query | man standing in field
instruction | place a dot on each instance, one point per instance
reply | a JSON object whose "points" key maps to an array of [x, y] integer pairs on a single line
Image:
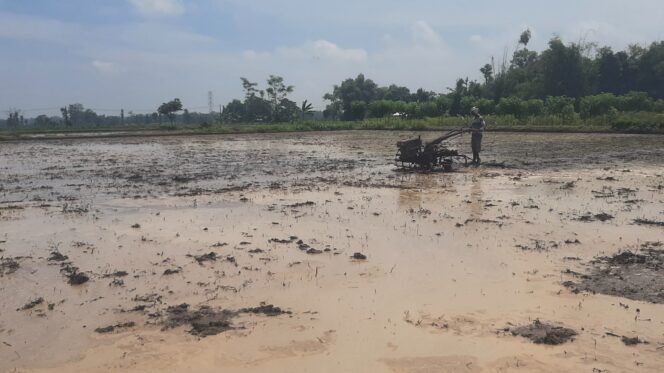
{"points": [[476, 128]]}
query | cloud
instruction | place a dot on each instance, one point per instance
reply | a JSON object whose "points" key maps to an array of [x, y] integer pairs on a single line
{"points": [[329, 50], [476, 38], [105, 67], [418, 44], [15, 26], [324, 51], [424, 34], [152, 8]]}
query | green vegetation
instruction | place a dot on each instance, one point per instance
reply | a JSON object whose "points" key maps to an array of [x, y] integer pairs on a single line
{"points": [[567, 87], [169, 109], [636, 122]]}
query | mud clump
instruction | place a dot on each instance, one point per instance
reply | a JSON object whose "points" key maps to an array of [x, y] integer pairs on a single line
{"points": [[631, 341], [112, 328], [8, 266], [539, 246], [290, 239], [32, 304], [56, 256], [117, 274], [301, 204], [632, 275], [74, 277], [649, 222], [207, 321], [543, 333], [596, 217], [204, 322], [265, 309], [625, 258], [78, 278], [359, 256], [209, 257]]}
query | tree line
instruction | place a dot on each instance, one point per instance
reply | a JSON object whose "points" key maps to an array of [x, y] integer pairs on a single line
{"points": [[561, 80], [567, 80]]}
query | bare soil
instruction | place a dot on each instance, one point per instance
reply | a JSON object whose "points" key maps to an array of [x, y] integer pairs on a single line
{"points": [[637, 275], [311, 252], [544, 333]]}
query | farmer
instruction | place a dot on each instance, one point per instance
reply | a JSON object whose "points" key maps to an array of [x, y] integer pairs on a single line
{"points": [[476, 129]]}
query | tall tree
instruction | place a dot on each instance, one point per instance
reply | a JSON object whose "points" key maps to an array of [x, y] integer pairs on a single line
{"points": [[65, 116], [14, 118], [487, 72], [306, 109], [249, 88], [351, 90], [562, 70], [524, 39], [458, 93], [276, 94], [169, 109], [609, 72], [651, 70]]}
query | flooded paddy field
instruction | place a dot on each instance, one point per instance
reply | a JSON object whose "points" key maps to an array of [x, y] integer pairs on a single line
{"points": [[313, 253]]}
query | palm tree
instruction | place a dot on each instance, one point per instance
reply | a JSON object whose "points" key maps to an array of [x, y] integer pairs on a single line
{"points": [[307, 108]]}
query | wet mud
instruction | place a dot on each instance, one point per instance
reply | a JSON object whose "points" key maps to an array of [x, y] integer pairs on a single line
{"points": [[637, 274], [172, 254], [544, 333]]}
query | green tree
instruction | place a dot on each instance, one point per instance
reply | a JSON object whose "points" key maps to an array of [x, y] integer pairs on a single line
{"points": [[394, 93], [351, 90], [249, 88], [43, 121], [233, 112], [65, 116], [306, 109], [557, 105], [14, 118], [634, 101], [358, 110], [381, 108], [276, 94], [169, 109], [422, 95], [562, 70], [609, 71], [487, 72], [511, 106], [651, 70], [457, 94]]}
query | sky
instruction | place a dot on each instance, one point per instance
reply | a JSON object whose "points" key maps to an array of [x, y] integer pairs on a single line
{"points": [[135, 54]]}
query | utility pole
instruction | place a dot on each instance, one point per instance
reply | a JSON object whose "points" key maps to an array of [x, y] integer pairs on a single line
{"points": [[210, 107], [122, 117]]}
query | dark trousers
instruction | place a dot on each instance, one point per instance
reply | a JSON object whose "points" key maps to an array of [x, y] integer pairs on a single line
{"points": [[476, 145]]}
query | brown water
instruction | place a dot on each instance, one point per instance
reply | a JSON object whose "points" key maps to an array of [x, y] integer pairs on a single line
{"points": [[452, 259]]}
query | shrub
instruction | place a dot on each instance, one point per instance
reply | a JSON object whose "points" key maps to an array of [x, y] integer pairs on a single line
{"points": [[358, 110], [592, 106], [556, 105], [486, 106], [511, 106], [635, 101], [658, 106], [533, 107]]}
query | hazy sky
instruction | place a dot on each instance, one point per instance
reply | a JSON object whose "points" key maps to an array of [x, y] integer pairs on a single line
{"points": [[135, 54]]}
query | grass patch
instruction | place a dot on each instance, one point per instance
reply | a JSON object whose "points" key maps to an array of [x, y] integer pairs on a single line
{"points": [[639, 122]]}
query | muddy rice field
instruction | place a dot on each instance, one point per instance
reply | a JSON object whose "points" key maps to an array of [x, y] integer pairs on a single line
{"points": [[313, 253]]}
